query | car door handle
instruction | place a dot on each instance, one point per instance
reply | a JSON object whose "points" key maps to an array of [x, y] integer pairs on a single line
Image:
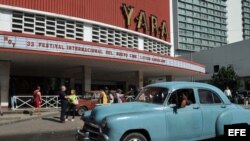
{"points": [[196, 107], [223, 106]]}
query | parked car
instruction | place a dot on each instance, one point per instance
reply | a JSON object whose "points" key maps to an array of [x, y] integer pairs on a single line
{"points": [[87, 101], [90, 99], [165, 111]]}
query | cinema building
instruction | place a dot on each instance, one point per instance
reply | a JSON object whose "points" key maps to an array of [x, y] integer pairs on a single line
{"points": [[86, 45]]}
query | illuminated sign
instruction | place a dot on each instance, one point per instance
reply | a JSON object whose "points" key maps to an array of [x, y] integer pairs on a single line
{"points": [[141, 22], [89, 50]]}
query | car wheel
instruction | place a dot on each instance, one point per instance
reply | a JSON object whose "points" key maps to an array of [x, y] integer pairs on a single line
{"points": [[134, 137], [81, 110]]}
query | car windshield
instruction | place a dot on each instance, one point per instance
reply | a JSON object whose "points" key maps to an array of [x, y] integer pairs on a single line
{"points": [[154, 95]]}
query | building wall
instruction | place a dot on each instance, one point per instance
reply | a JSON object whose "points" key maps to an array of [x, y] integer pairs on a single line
{"points": [[236, 55], [201, 25], [78, 21], [175, 24], [234, 14], [105, 11], [246, 18]]}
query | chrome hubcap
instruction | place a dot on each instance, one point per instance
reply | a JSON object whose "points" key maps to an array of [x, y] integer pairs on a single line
{"points": [[134, 139]]}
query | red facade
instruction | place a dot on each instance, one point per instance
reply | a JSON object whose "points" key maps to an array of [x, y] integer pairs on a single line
{"points": [[105, 11]]}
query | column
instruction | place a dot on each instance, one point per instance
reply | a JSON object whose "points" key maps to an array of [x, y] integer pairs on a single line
{"points": [[72, 83], [87, 32], [169, 78], [4, 83], [139, 75], [86, 78]]}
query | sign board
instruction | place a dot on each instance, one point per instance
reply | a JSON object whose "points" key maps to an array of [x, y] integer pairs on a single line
{"points": [[90, 50]]}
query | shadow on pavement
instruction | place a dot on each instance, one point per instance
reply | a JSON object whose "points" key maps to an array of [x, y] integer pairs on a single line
{"points": [[52, 119], [49, 136], [57, 117]]}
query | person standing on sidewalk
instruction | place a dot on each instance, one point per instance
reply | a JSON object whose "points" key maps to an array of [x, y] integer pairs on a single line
{"points": [[73, 101], [37, 99], [64, 103], [1, 112], [228, 93], [103, 98]]}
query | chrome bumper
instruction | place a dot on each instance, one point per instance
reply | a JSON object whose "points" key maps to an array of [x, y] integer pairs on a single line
{"points": [[80, 136], [84, 136]]}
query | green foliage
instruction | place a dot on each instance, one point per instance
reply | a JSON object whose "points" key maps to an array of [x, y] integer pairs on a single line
{"points": [[226, 77]]}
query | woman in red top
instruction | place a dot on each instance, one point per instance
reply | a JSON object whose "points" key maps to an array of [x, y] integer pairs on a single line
{"points": [[37, 100]]}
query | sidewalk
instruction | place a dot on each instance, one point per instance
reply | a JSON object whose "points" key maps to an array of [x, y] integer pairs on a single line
{"points": [[10, 116], [14, 116]]}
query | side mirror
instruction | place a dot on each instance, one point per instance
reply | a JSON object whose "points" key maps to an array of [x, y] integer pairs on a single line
{"points": [[172, 105]]}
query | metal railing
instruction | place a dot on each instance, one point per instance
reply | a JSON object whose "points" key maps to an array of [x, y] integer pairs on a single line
{"points": [[25, 102]]}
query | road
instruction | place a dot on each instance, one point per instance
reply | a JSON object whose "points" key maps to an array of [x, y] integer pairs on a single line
{"points": [[49, 129]]}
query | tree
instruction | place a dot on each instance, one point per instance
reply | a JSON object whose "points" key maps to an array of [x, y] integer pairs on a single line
{"points": [[226, 76]]}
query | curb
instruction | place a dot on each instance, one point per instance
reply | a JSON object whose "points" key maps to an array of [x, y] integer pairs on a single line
{"points": [[20, 111], [29, 118]]}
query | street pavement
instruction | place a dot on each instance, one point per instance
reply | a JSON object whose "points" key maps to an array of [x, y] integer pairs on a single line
{"points": [[46, 128], [10, 116]]}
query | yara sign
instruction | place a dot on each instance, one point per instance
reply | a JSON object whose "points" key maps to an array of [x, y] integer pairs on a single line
{"points": [[141, 22]]}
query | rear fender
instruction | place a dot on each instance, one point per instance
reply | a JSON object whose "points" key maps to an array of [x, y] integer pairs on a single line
{"points": [[235, 116]]}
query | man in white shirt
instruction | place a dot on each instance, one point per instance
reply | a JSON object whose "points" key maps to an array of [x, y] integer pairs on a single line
{"points": [[228, 92]]}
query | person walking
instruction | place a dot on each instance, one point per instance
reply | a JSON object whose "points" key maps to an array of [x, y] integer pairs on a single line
{"points": [[103, 98], [64, 102], [228, 93], [73, 101], [118, 95], [12, 90], [111, 97], [37, 100]]}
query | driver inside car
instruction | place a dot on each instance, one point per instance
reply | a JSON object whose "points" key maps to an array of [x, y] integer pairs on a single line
{"points": [[184, 100]]}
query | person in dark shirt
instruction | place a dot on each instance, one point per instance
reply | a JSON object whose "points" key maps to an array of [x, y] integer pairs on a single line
{"points": [[64, 103]]}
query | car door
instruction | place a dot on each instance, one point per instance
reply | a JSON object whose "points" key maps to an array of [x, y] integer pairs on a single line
{"points": [[211, 106], [186, 122]]}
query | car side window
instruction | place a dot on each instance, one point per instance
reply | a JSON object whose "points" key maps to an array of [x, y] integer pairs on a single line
{"points": [[154, 95], [216, 98], [208, 97], [182, 97]]}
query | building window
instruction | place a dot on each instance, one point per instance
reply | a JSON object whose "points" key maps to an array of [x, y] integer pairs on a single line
{"points": [[46, 25], [216, 68], [208, 97], [110, 36], [71, 29], [157, 47]]}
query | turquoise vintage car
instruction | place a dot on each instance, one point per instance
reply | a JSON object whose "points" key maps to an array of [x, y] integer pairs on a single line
{"points": [[168, 111]]}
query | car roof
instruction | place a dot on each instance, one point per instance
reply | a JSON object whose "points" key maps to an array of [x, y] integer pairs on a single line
{"points": [[180, 84]]}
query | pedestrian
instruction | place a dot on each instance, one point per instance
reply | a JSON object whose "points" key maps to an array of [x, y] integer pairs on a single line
{"points": [[118, 96], [13, 102], [37, 100], [73, 101], [228, 93], [111, 96], [12, 90], [64, 102], [103, 98], [1, 112]]}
